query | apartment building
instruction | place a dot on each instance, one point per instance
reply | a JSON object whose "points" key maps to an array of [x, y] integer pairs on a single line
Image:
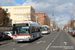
{"points": [[20, 13], [42, 19]]}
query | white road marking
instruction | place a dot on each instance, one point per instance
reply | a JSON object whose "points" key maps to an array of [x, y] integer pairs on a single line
{"points": [[52, 41], [65, 43], [23, 45], [14, 48], [40, 42], [43, 41], [14, 43], [48, 46]]}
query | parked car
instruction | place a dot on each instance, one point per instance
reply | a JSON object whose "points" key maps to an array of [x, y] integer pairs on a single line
{"points": [[70, 31], [73, 33], [1, 36], [4, 36], [54, 29], [57, 29], [9, 33]]}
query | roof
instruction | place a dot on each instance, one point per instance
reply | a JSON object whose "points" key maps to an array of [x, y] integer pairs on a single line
{"points": [[45, 26], [40, 13], [31, 23]]}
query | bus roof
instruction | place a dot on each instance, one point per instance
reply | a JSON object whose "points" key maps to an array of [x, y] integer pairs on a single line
{"points": [[45, 26], [31, 23]]}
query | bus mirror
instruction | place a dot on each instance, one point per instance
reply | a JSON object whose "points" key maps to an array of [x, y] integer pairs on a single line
{"points": [[14, 25]]}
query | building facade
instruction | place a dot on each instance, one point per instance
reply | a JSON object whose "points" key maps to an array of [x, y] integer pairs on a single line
{"points": [[20, 13], [53, 25], [42, 19]]}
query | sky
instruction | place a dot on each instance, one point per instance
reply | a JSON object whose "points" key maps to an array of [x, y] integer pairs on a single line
{"points": [[63, 10]]}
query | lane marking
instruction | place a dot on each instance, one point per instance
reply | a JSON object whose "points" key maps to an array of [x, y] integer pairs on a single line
{"points": [[14, 48], [65, 43], [43, 41], [14, 43], [23, 45], [40, 42], [52, 41], [48, 46]]}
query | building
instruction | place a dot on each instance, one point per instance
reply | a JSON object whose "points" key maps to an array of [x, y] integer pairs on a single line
{"points": [[42, 19], [53, 25], [70, 24], [20, 13]]}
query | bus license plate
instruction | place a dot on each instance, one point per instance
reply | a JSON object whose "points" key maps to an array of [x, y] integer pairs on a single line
{"points": [[20, 40]]}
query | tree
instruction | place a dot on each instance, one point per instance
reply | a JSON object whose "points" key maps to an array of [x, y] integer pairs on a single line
{"points": [[1, 15], [5, 19]]}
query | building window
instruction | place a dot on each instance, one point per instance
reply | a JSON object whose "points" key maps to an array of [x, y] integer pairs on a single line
{"points": [[37, 16], [9, 10], [32, 11], [37, 19], [39, 23], [29, 16], [21, 10], [6, 10]]}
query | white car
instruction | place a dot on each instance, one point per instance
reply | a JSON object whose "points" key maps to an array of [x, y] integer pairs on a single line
{"points": [[9, 33]]}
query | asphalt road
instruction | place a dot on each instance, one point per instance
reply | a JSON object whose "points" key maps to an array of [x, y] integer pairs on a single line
{"points": [[54, 41]]}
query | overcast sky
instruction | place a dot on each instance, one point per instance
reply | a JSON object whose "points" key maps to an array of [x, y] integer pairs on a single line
{"points": [[63, 10]]}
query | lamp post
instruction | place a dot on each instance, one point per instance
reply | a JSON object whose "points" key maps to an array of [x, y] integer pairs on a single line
{"points": [[36, 19]]}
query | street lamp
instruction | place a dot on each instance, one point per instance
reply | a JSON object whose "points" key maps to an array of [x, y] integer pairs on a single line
{"points": [[36, 19]]}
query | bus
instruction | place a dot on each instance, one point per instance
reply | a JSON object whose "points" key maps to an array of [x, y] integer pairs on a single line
{"points": [[45, 29], [26, 31]]}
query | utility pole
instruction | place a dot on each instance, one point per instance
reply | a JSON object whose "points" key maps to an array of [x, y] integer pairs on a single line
{"points": [[36, 19]]}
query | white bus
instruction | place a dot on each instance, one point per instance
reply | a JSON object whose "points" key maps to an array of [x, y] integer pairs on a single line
{"points": [[26, 31], [45, 29]]}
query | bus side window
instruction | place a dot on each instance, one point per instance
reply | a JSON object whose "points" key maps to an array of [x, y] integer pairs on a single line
{"points": [[38, 29], [32, 29]]}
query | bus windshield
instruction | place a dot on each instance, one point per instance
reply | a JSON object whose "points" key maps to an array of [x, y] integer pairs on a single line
{"points": [[20, 30], [44, 29]]}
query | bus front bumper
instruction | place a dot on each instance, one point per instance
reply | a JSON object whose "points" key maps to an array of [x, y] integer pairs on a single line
{"points": [[19, 40]]}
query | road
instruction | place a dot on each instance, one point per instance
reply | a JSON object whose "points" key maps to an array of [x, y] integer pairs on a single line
{"points": [[54, 41]]}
